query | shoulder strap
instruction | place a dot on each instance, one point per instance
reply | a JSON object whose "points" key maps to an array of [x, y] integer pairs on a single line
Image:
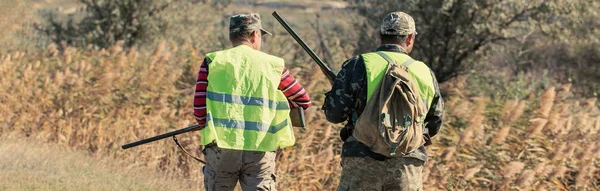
{"points": [[389, 60], [408, 62], [186, 152], [386, 57]]}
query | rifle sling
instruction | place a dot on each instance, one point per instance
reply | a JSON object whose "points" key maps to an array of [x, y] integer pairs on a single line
{"points": [[186, 152]]}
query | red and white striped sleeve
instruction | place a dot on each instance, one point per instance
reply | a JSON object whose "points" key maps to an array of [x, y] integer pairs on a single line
{"points": [[295, 93], [200, 93]]}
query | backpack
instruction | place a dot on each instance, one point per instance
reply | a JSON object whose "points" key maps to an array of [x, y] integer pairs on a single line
{"points": [[392, 121]]}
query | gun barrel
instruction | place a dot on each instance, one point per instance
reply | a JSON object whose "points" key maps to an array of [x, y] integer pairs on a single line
{"points": [[328, 73], [159, 137]]}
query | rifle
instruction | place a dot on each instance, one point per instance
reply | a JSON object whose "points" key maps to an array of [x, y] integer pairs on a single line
{"points": [[324, 68]]}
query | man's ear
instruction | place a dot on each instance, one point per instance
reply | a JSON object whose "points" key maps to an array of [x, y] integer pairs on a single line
{"points": [[255, 36], [410, 40]]}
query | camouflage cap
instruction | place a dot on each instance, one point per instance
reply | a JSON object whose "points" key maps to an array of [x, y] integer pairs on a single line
{"points": [[244, 22], [398, 23]]}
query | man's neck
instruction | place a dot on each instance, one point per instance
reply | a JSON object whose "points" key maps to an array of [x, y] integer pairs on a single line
{"points": [[244, 43], [392, 48]]}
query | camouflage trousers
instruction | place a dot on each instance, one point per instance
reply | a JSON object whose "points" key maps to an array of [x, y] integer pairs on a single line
{"points": [[397, 174], [225, 167]]}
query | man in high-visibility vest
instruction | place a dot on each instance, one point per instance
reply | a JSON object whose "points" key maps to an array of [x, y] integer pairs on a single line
{"points": [[363, 169], [243, 98]]}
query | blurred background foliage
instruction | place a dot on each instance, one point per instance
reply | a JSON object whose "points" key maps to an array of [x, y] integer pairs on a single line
{"points": [[456, 37], [94, 74]]}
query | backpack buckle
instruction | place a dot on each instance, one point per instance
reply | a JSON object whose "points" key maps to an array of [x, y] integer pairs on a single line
{"points": [[385, 118]]}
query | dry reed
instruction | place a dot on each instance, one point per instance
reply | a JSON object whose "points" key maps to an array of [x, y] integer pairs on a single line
{"points": [[517, 112], [526, 178], [537, 125], [97, 100], [512, 168], [546, 102], [501, 135], [470, 173]]}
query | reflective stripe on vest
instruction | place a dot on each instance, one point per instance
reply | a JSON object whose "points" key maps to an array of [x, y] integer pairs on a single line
{"points": [[244, 100], [245, 109], [247, 125], [376, 66]]}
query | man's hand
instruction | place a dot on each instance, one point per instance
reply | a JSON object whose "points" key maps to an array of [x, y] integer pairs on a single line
{"points": [[345, 133]]}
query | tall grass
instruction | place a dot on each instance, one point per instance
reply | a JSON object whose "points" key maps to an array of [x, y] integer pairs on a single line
{"points": [[98, 100], [546, 145]]}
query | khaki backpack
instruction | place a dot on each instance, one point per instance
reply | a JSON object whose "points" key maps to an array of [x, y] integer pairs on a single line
{"points": [[392, 121]]}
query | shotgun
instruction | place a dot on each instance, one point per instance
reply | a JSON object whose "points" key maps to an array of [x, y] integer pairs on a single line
{"points": [[296, 116], [324, 68], [159, 137]]}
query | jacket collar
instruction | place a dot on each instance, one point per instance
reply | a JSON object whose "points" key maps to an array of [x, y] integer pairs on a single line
{"points": [[392, 48]]}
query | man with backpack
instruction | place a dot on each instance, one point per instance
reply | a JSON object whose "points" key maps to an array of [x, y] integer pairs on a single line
{"points": [[393, 105], [243, 99]]}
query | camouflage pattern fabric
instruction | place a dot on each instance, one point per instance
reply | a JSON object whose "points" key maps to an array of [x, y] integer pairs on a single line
{"points": [[399, 24], [246, 22], [224, 168], [349, 93], [395, 174]]}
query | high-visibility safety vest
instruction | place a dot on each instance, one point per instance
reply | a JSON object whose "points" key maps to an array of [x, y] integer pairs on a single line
{"points": [[245, 108], [376, 66]]}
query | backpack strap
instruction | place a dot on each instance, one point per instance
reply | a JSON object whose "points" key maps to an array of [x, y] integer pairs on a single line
{"points": [[186, 152], [408, 62], [386, 57], [355, 116], [389, 60]]}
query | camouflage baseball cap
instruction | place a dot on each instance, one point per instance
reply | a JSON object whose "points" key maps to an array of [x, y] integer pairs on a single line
{"points": [[244, 22], [398, 23]]}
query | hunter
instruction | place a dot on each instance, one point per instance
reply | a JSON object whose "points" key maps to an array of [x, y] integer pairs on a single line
{"points": [[363, 169], [243, 99]]}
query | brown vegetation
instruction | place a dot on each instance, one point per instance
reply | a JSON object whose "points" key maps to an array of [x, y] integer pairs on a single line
{"points": [[98, 100], [29, 164], [501, 131]]}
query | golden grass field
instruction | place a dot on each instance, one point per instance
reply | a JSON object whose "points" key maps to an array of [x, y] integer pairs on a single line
{"points": [[65, 112], [95, 101]]}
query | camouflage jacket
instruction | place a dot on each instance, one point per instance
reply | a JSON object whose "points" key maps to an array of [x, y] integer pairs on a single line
{"points": [[349, 94]]}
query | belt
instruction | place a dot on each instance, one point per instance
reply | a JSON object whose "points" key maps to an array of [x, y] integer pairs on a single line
{"points": [[211, 144]]}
